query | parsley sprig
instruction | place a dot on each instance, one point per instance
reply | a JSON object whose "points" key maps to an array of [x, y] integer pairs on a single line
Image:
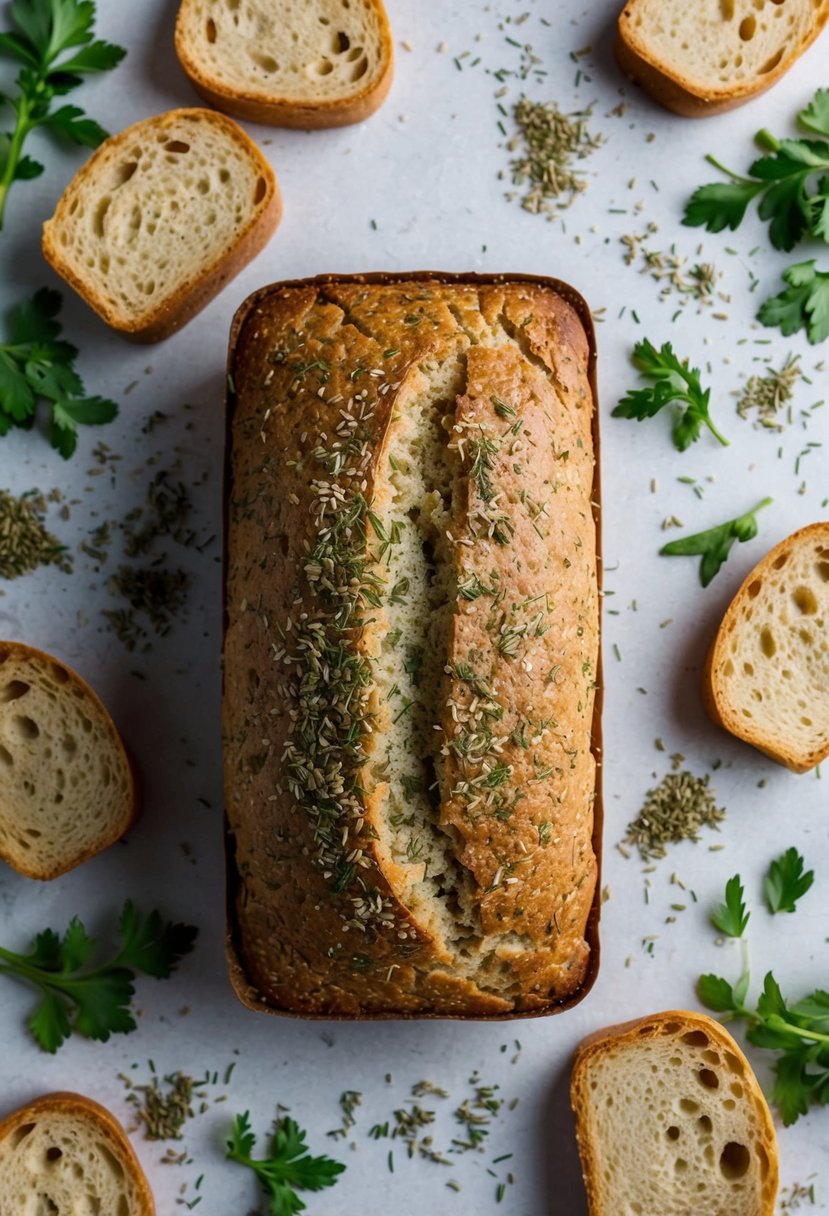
{"points": [[715, 544], [674, 383], [35, 365], [731, 917], [799, 1032], [54, 41], [786, 883], [289, 1166], [803, 304], [94, 1000], [781, 182]]}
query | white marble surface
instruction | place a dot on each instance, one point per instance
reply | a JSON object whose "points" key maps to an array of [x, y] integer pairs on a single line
{"points": [[426, 170]]}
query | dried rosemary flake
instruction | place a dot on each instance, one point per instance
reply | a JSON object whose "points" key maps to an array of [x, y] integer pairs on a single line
{"points": [[676, 810], [768, 394], [548, 145], [25, 544]]}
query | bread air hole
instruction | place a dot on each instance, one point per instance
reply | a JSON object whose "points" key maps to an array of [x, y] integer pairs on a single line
{"points": [[770, 64], [6, 757], [688, 1106], [322, 67], [177, 145], [54, 1153], [708, 1078], [767, 643], [823, 571], [748, 28], [266, 62], [806, 600], [20, 1133], [260, 191], [25, 727], [13, 691], [754, 588], [672, 1133], [124, 172], [727, 10], [734, 1160], [696, 1038], [210, 30]]}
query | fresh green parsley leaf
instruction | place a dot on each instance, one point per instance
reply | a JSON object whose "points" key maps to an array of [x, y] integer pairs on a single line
{"points": [[786, 882], [792, 197], [35, 365], [731, 917], [54, 42], [288, 1168], [715, 544], [94, 1000], [798, 1032], [804, 305], [674, 383], [816, 115]]}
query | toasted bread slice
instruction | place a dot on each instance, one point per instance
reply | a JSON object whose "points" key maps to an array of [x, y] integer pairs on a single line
{"points": [[670, 1121], [712, 55], [160, 218], [767, 675], [288, 62], [63, 1153], [66, 784]]}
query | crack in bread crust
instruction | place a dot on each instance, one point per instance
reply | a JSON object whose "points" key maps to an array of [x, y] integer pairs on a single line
{"points": [[447, 866]]}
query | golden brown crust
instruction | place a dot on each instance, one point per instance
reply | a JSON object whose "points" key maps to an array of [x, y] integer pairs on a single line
{"points": [[679, 93], [283, 111], [282, 967], [77, 1105], [614, 1039], [30, 654], [193, 294], [713, 694]]}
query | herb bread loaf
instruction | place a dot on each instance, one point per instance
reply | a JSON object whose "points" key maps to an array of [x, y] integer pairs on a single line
{"points": [[411, 648]]}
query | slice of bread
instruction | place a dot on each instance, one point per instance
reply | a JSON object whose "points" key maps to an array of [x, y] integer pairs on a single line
{"points": [[288, 62], [767, 675], [711, 55], [160, 218], [670, 1121], [63, 1153], [66, 784]]}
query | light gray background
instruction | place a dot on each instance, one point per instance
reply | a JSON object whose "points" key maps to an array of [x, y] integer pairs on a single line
{"points": [[426, 170]]}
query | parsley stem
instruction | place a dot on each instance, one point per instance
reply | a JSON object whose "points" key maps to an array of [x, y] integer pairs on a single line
{"points": [[749, 181], [22, 127], [715, 432], [767, 141]]}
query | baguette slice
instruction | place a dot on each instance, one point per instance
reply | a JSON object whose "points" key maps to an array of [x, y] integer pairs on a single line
{"points": [[160, 218], [66, 785], [288, 62], [711, 55], [65, 1154], [767, 675], [670, 1121]]}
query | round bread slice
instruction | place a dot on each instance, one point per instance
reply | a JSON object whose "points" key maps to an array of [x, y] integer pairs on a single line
{"points": [[670, 1121], [160, 218], [63, 1153], [711, 55], [291, 63], [66, 784], [766, 678]]}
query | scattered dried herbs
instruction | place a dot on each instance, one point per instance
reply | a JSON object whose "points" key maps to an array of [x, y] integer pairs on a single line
{"points": [[677, 809], [25, 543], [549, 145], [768, 394]]}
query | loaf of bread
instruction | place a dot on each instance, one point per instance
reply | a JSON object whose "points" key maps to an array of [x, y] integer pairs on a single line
{"points": [[713, 55], [671, 1121], [411, 650], [65, 1154]]}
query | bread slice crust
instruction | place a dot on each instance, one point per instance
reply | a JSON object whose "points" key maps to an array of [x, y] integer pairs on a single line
{"points": [[671, 1026], [303, 989], [27, 660], [197, 288], [258, 103], [676, 89], [721, 707], [103, 1125]]}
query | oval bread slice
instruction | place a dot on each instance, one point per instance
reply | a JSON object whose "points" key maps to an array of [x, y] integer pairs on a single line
{"points": [[670, 1121], [288, 62], [66, 784], [63, 1153], [160, 218], [766, 678], [711, 55]]}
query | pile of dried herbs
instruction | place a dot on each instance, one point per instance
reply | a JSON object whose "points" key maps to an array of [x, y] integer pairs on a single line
{"points": [[25, 544], [767, 395], [549, 145], [677, 809]]}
